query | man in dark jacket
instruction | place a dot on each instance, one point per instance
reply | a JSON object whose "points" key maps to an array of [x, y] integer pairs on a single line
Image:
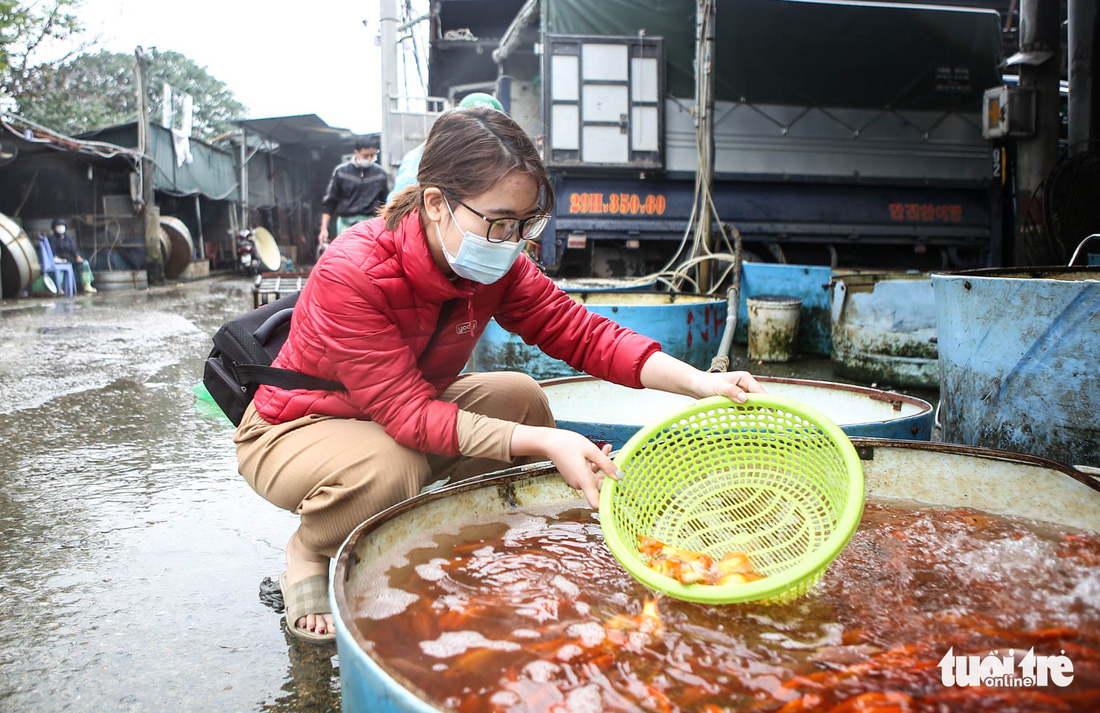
{"points": [[355, 192]]}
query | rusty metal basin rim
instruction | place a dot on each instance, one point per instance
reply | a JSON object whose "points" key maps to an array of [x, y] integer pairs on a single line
{"points": [[995, 481]]}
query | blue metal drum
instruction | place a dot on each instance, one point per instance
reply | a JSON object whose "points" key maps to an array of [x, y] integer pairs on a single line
{"points": [[809, 283], [1018, 360], [607, 413], [884, 329], [688, 327], [364, 685]]}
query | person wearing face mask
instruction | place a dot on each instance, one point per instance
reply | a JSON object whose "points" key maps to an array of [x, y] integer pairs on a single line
{"points": [[65, 249], [392, 311], [355, 192]]}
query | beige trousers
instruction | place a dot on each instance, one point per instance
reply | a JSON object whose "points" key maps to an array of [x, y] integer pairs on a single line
{"points": [[336, 472]]}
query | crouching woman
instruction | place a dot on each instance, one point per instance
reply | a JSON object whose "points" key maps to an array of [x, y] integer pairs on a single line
{"points": [[392, 311]]}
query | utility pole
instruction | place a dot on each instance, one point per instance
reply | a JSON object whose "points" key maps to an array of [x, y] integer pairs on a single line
{"points": [[391, 157], [154, 257], [1040, 73]]}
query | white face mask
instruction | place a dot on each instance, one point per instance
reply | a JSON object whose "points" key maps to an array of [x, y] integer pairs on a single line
{"points": [[60, 230], [478, 259]]}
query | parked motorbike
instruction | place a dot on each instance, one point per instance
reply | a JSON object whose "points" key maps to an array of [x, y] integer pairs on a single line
{"points": [[248, 258]]}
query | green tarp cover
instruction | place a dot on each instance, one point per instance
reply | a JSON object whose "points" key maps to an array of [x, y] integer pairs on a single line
{"points": [[212, 172], [872, 56]]}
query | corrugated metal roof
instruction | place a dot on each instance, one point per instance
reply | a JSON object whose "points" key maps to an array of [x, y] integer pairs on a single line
{"points": [[301, 129]]}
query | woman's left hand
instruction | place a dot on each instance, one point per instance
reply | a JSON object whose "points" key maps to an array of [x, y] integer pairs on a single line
{"points": [[668, 373], [731, 384]]}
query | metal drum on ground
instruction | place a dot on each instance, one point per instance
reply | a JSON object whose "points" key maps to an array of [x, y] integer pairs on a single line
{"points": [[19, 265], [929, 473], [180, 248], [608, 413], [884, 329], [110, 280], [1018, 360], [688, 327]]}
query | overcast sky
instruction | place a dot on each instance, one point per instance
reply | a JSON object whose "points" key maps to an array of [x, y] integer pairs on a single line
{"points": [[279, 58]]}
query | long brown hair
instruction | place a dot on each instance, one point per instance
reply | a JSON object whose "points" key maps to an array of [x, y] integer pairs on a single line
{"points": [[468, 150]]}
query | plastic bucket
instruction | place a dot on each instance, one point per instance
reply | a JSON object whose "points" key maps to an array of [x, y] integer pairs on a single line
{"points": [[773, 327], [809, 283]]}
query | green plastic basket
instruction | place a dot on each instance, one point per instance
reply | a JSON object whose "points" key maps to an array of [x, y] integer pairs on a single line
{"points": [[771, 477]]}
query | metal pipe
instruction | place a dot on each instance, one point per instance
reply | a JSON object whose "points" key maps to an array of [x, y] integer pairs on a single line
{"points": [[244, 180], [198, 221], [1082, 55], [515, 29], [154, 256], [1081, 245], [1038, 154]]}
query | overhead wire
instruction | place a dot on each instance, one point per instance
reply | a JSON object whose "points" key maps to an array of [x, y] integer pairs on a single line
{"points": [[676, 278]]}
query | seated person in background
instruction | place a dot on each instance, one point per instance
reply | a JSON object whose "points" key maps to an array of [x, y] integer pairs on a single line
{"points": [[65, 249]]}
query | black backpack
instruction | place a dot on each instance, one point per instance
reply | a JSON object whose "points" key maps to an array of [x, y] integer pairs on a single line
{"points": [[240, 361]]}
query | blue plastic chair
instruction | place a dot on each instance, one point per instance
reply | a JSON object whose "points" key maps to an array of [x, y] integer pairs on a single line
{"points": [[63, 273]]}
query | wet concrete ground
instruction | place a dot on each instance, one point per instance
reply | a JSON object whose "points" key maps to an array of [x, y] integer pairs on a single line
{"points": [[131, 551]]}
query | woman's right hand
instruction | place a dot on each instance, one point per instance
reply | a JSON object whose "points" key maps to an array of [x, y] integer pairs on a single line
{"points": [[582, 464]]}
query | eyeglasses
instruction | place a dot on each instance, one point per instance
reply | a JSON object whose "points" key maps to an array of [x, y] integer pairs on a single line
{"points": [[502, 230]]}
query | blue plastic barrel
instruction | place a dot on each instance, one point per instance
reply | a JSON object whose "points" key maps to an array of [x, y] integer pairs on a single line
{"points": [[1018, 352]]}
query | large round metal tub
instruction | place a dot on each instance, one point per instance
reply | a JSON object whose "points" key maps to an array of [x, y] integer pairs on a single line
{"points": [[995, 481], [19, 265], [608, 413], [884, 329], [176, 246], [1019, 365], [112, 280], [603, 284], [688, 327]]}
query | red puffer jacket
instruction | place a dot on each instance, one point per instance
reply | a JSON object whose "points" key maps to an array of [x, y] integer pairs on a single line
{"points": [[374, 301]]}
